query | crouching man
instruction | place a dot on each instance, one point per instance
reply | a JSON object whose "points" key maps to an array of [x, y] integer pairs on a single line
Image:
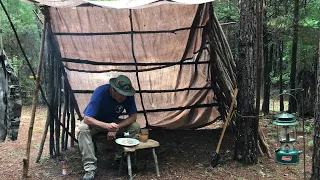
{"points": [[102, 115]]}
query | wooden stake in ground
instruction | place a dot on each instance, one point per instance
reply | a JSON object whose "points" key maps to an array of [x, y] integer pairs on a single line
{"points": [[34, 103]]}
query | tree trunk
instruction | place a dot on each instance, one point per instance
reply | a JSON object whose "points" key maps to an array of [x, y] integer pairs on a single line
{"points": [[292, 101], [266, 37], [280, 72], [246, 150], [267, 81], [258, 55], [316, 138]]}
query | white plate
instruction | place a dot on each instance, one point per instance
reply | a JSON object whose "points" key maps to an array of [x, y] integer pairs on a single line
{"points": [[127, 141]]}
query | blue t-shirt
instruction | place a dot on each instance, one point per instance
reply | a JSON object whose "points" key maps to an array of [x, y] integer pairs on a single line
{"points": [[106, 109]]}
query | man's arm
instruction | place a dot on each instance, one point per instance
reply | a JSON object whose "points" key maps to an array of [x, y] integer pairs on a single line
{"points": [[126, 122], [90, 121]]}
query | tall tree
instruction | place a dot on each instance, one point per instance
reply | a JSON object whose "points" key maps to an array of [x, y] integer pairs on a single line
{"points": [[316, 136], [266, 38], [246, 150], [280, 74], [292, 101], [267, 80]]}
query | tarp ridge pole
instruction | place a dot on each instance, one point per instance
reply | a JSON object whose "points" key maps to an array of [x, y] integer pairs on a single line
{"points": [[137, 70], [34, 103]]}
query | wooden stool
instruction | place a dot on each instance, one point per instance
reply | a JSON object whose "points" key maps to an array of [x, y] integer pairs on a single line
{"points": [[150, 144]]}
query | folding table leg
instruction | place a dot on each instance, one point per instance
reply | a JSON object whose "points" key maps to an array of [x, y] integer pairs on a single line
{"points": [[129, 166], [155, 161]]}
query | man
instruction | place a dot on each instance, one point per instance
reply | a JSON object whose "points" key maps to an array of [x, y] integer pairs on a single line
{"points": [[102, 115]]}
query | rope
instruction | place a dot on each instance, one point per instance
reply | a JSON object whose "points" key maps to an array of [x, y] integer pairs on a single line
{"points": [[136, 65], [165, 64], [151, 91], [126, 32], [242, 116]]}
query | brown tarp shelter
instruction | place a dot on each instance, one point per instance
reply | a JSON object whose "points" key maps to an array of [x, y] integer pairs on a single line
{"points": [[175, 54]]}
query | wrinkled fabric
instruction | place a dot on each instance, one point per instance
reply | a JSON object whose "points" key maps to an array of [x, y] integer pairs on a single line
{"points": [[79, 34], [10, 102]]}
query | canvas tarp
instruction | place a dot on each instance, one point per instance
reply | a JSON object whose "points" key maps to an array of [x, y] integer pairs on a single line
{"points": [[173, 54], [91, 38]]}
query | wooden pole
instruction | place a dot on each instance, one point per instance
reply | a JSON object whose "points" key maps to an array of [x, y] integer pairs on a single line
{"points": [[34, 103], [45, 132], [65, 103], [52, 111], [58, 110], [68, 121], [73, 123]]}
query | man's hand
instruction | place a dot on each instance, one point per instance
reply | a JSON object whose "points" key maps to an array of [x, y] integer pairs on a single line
{"points": [[111, 135], [112, 127]]}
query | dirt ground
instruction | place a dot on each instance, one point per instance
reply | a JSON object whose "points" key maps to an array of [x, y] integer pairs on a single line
{"points": [[183, 155]]}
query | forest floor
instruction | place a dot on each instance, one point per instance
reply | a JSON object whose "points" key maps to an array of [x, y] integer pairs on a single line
{"points": [[183, 155]]}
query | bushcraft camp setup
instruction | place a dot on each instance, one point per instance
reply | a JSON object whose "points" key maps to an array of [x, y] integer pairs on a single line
{"points": [[175, 53]]}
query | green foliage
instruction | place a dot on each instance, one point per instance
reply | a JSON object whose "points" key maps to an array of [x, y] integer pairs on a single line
{"points": [[311, 15], [16, 63], [279, 24], [285, 78], [312, 23], [227, 11], [310, 143], [308, 128], [25, 23]]}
